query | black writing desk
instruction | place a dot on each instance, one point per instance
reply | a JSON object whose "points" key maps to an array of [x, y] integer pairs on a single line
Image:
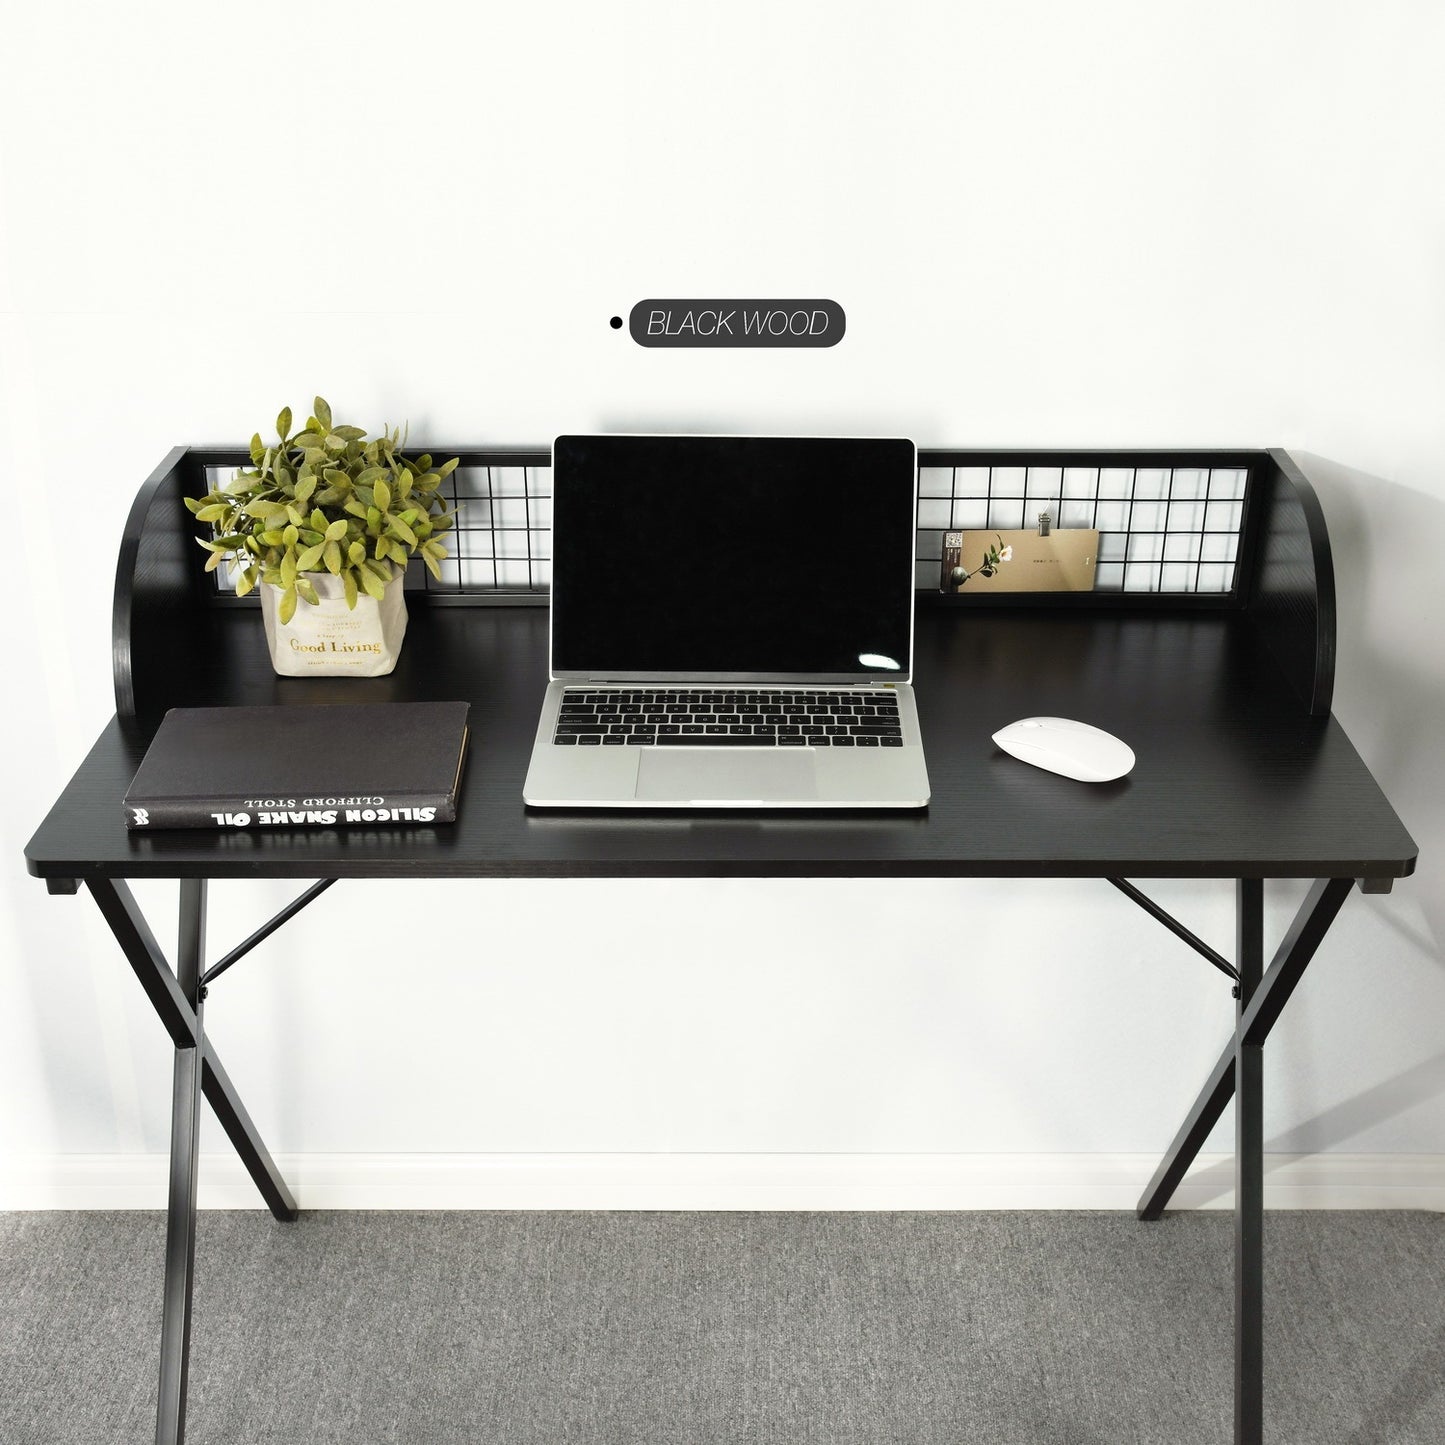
{"points": [[1242, 773]]}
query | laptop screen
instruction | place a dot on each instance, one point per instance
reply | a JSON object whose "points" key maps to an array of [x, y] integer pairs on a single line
{"points": [[759, 558]]}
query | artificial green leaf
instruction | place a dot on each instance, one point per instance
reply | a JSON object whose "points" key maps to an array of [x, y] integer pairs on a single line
{"points": [[319, 522], [207, 543], [290, 536], [245, 581], [298, 517], [383, 496], [447, 468], [289, 568], [271, 538], [370, 475], [287, 608], [213, 513], [400, 529], [373, 584], [214, 561], [356, 551], [350, 433], [283, 423], [263, 511], [403, 485], [373, 521], [192, 505], [306, 590], [432, 565], [332, 553], [310, 538], [322, 413], [348, 585], [383, 546], [304, 489], [357, 509], [258, 449], [337, 530], [307, 560]]}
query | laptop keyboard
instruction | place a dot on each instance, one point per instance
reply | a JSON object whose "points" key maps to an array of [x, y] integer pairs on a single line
{"points": [[723, 717]]}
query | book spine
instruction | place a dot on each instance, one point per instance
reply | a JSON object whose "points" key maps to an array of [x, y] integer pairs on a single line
{"points": [[260, 814]]}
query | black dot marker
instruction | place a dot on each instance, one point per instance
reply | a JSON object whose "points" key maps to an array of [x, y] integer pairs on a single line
{"points": [[616, 323]]}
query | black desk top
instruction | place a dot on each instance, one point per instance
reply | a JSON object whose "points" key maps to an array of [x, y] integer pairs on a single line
{"points": [[1233, 778]]}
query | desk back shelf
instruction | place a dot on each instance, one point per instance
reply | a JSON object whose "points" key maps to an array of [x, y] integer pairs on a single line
{"points": [[1282, 581]]}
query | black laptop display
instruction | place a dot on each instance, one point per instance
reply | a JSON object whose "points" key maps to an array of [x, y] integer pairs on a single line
{"points": [[775, 558]]}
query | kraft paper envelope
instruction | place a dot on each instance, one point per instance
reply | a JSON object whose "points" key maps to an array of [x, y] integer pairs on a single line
{"points": [[1062, 561]]}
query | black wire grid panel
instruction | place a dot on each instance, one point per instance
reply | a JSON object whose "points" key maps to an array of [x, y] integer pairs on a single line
{"points": [[1161, 529], [502, 539]]}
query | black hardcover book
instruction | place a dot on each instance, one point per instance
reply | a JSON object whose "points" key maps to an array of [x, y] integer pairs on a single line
{"points": [[333, 765]]}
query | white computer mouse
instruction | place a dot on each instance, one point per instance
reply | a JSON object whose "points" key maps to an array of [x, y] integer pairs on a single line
{"points": [[1061, 745]]}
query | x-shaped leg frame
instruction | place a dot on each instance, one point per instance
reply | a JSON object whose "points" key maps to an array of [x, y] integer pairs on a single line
{"points": [[1262, 995], [179, 1000]]}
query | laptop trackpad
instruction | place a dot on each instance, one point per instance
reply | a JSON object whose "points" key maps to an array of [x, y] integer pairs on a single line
{"points": [[738, 775]]}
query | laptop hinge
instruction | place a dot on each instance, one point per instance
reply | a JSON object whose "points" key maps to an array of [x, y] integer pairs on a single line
{"points": [[618, 682]]}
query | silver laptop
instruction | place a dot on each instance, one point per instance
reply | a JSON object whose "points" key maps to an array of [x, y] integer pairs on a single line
{"points": [[731, 625]]}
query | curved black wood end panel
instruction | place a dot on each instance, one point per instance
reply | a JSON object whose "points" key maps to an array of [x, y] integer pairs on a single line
{"points": [[1292, 598], [159, 588]]}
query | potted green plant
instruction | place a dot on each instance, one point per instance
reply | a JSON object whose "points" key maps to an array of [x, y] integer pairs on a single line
{"points": [[324, 523]]}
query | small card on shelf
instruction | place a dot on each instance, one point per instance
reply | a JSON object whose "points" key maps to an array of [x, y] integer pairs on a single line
{"points": [[1036, 561]]}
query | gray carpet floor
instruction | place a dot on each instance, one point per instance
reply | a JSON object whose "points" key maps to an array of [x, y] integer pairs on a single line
{"points": [[723, 1329]]}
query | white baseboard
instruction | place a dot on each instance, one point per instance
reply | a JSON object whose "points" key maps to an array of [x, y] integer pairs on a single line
{"points": [[725, 1181]]}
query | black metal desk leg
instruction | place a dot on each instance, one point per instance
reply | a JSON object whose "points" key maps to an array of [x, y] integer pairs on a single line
{"points": [[1248, 1174], [1310, 925], [175, 1010], [181, 1207], [226, 1104], [178, 1001]]}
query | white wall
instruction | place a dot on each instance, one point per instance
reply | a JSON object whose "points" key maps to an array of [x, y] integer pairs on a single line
{"points": [[1060, 225]]}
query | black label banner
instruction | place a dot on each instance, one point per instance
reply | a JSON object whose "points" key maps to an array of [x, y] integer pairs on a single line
{"points": [[737, 323]]}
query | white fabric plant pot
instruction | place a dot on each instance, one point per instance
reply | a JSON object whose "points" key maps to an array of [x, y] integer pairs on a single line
{"points": [[327, 639]]}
